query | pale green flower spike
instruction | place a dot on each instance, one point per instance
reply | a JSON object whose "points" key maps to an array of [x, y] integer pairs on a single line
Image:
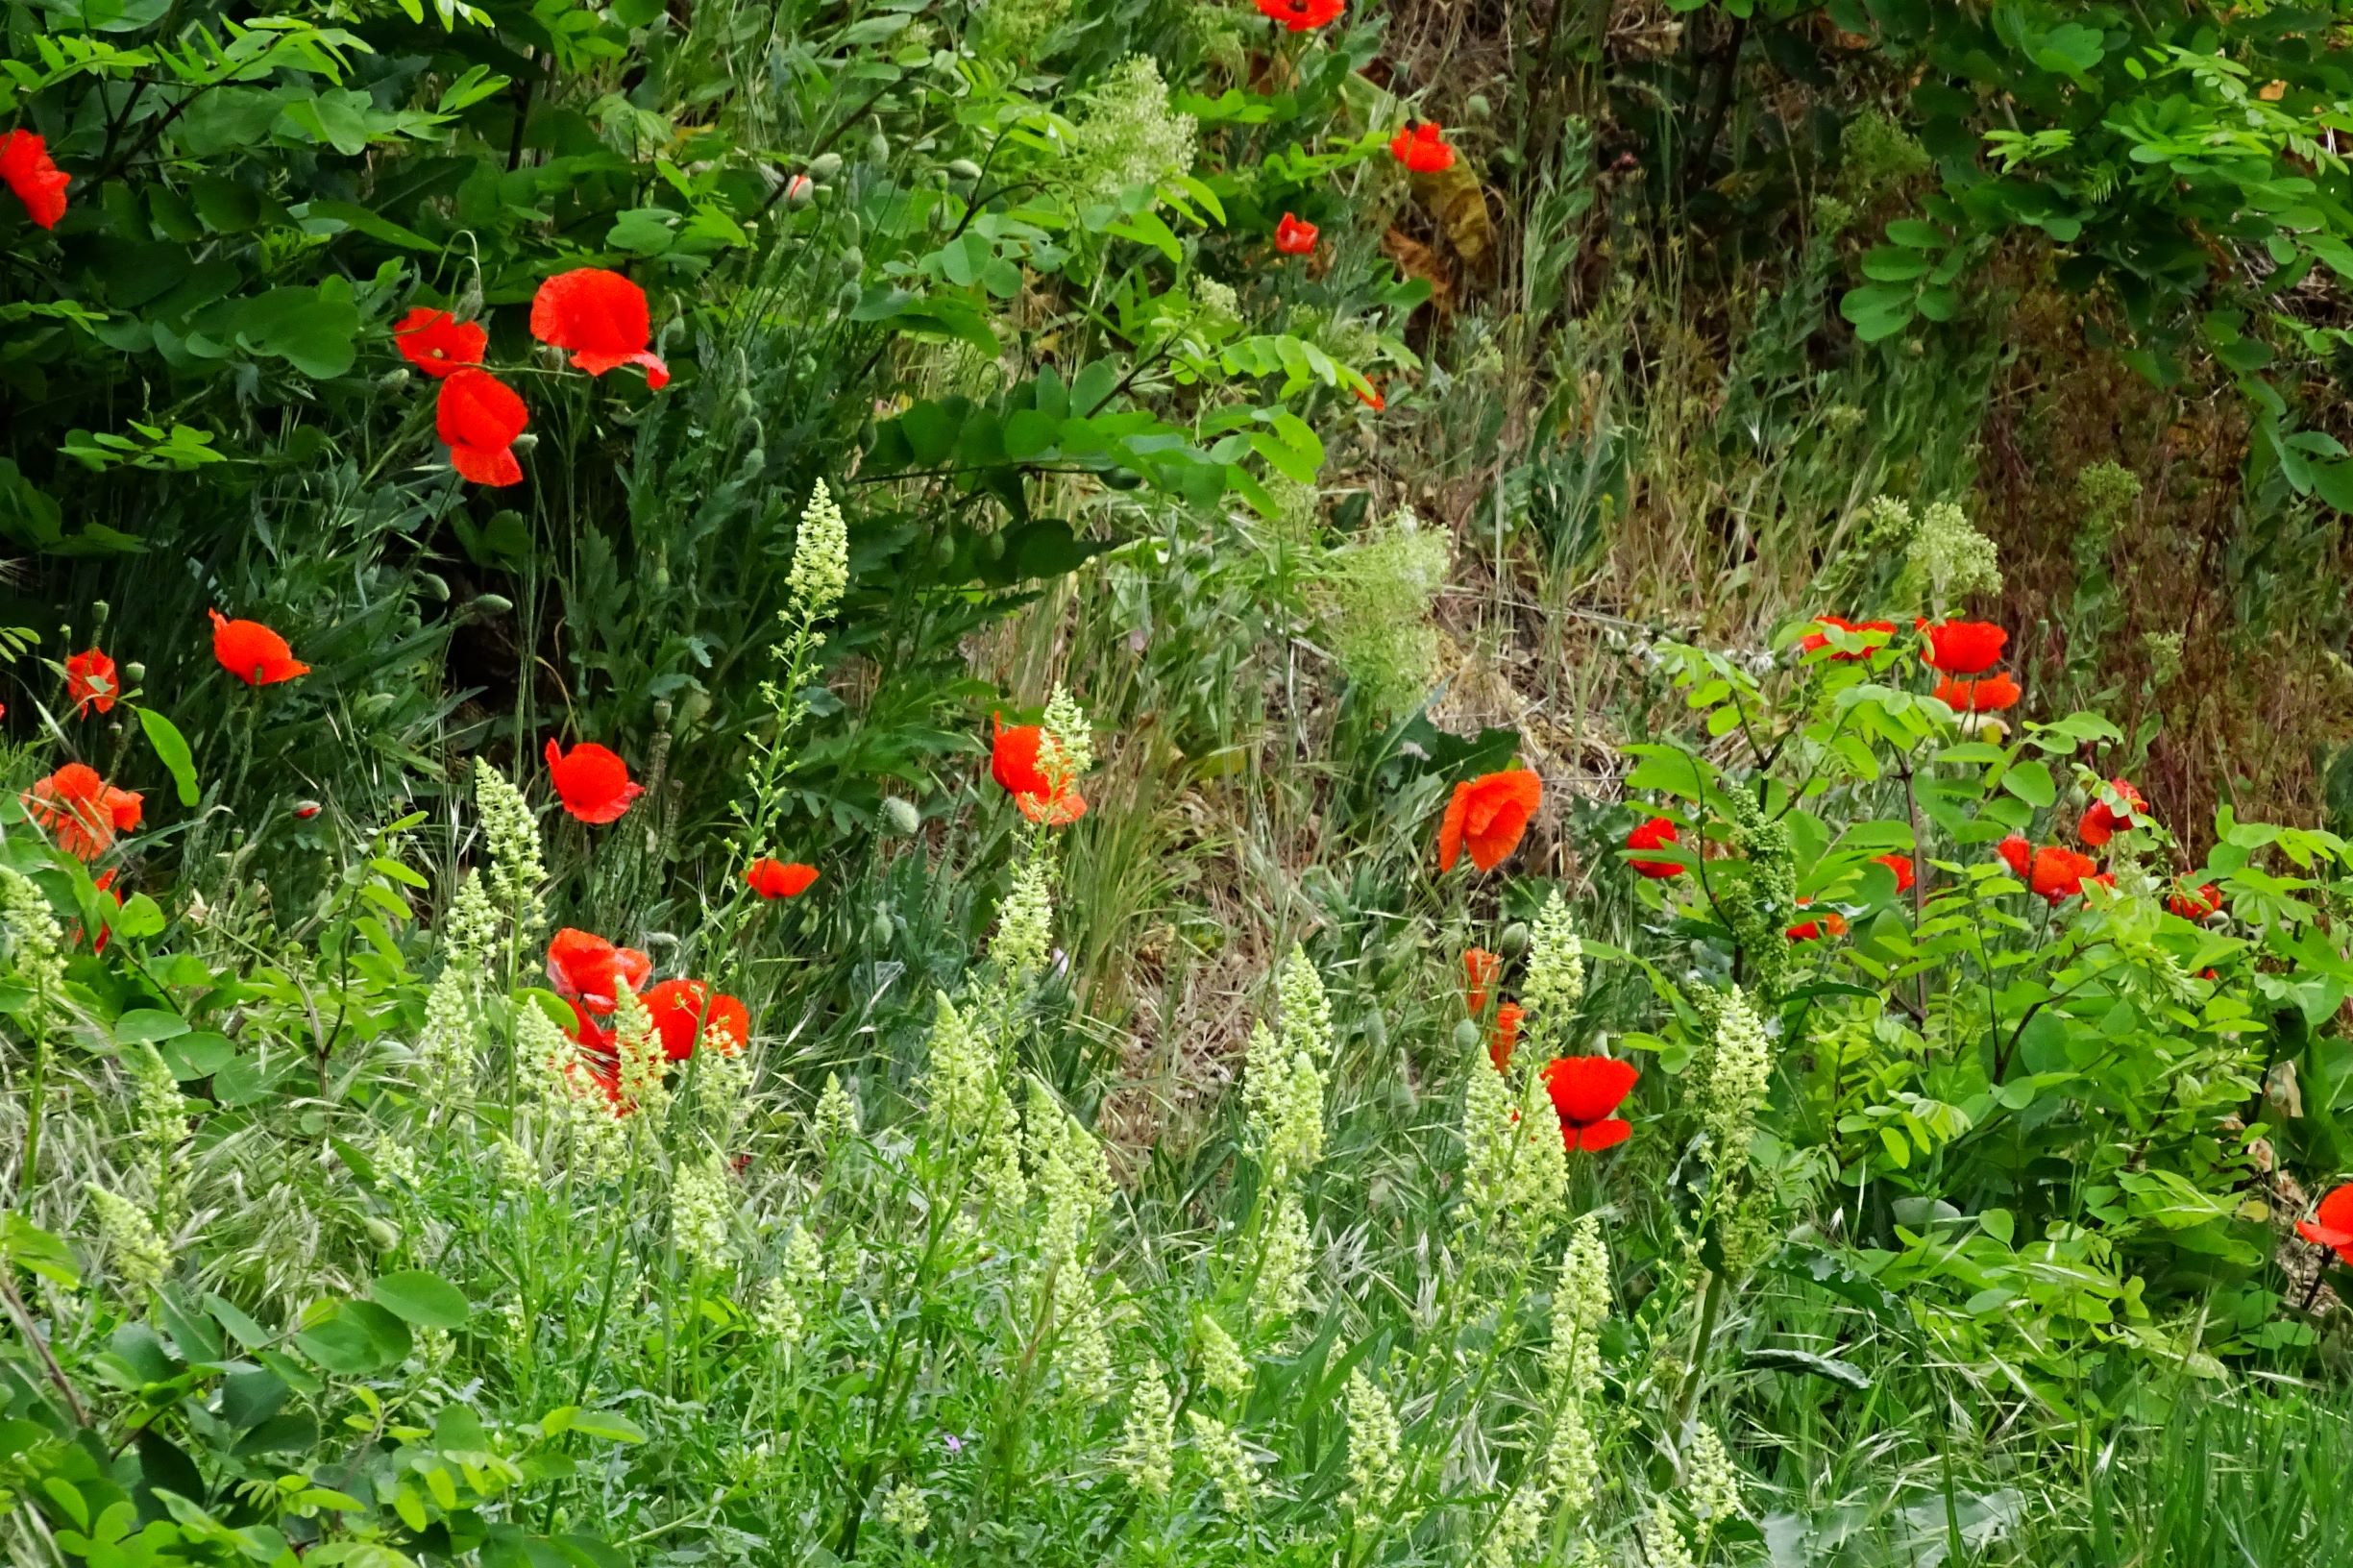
{"points": [[1737, 1086], [821, 557], [1374, 1471], [1227, 1462], [702, 1213], [1147, 1441], [137, 1253], [512, 832]]}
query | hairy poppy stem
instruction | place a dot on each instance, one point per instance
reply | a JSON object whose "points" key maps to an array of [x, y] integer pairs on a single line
{"points": [[1710, 1305]]}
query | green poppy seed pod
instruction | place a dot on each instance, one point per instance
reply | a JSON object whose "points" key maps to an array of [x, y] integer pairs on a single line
{"points": [[661, 713], [98, 615], [1466, 1036], [384, 1233], [964, 170], [899, 815], [824, 166], [878, 931], [1514, 940], [493, 605]]}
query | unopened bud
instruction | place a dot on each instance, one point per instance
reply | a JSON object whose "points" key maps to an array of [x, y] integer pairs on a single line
{"points": [[964, 169], [493, 605], [306, 809], [899, 815], [1466, 1036], [824, 166], [1514, 940], [800, 190]]}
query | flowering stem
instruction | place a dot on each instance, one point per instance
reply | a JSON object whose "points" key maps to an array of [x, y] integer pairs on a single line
{"points": [[1710, 1305], [26, 1167]]}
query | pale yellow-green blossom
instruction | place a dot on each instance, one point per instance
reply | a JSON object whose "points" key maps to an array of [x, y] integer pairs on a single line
{"points": [[820, 556], [702, 1211], [135, 1250], [1374, 1469], [1148, 1438], [1224, 1366], [512, 832], [1225, 1459]]}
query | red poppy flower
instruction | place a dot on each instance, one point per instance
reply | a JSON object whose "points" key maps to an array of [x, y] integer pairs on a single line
{"points": [[1489, 814], [1294, 237], [1376, 399], [1587, 1092], [775, 879], [584, 967], [1014, 763], [1811, 930], [2016, 853], [1964, 647], [2195, 904], [2059, 872], [1480, 968], [38, 182], [686, 1011], [1901, 866], [1423, 149], [438, 343], [82, 811], [1301, 15], [478, 417], [1992, 695], [2103, 821], [1505, 1038], [1814, 641], [252, 653], [90, 682], [600, 318], [2331, 1225], [592, 783], [1655, 833]]}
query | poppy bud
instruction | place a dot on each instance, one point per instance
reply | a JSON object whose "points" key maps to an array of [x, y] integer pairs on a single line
{"points": [[1376, 1032], [878, 147], [854, 262], [824, 166], [525, 441], [133, 672], [899, 814], [879, 932], [1477, 105], [1514, 940], [964, 170], [306, 809], [845, 299], [993, 547], [1466, 1036], [800, 190], [434, 586], [493, 605], [98, 615], [392, 380], [384, 1233], [1122, 478]]}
